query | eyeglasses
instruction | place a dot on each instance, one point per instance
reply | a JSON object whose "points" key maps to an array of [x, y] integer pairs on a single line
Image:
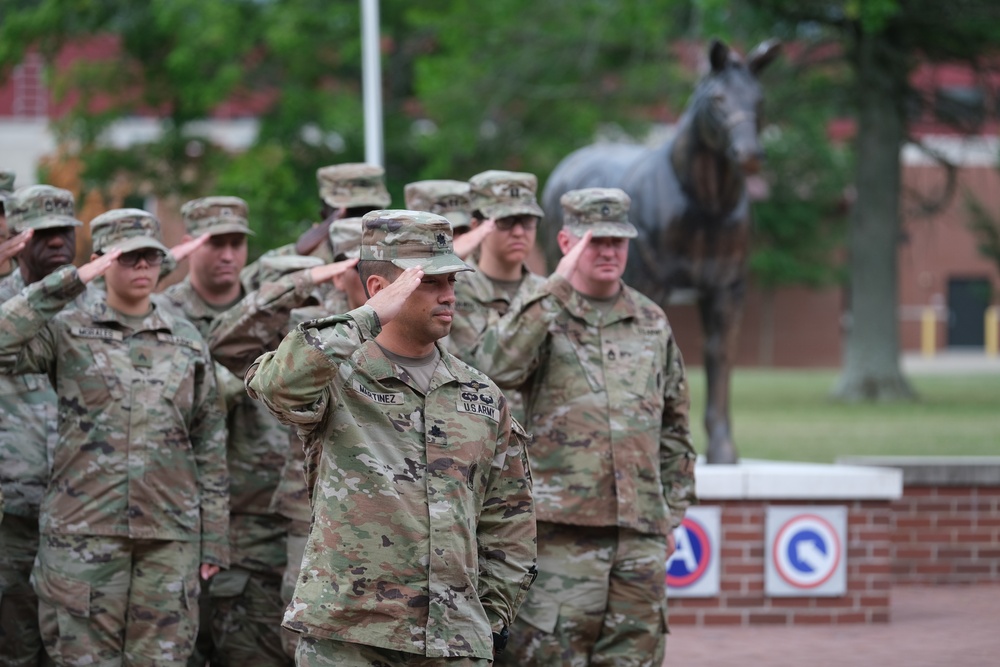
{"points": [[527, 222], [152, 257]]}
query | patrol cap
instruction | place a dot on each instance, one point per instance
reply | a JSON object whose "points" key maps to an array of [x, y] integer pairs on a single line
{"points": [[273, 267], [215, 216], [602, 211], [345, 237], [127, 229], [409, 239], [446, 198], [7, 180], [40, 207], [6, 186], [499, 194], [353, 184]]}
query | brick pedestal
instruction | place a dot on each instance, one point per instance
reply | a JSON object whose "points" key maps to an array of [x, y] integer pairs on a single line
{"points": [[744, 493]]}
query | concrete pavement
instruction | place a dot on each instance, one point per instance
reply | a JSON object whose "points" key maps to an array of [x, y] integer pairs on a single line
{"points": [[946, 626]]}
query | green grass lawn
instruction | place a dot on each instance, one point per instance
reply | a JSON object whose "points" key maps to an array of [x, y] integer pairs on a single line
{"points": [[787, 415]]}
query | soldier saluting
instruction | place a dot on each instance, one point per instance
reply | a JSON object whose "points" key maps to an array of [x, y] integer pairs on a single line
{"points": [[423, 537], [137, 503]]}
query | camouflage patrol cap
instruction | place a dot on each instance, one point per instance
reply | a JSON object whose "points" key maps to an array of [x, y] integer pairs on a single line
{"points": [[276, 266], [40, 207], [499, 194], [446, 198], [345, 237], [215, 216], [6, 187], [409, 239], [127, 229], [353, 184], [602, 211]]}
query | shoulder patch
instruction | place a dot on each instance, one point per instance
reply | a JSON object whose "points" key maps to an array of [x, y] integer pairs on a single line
{"points": [[96, 332], [477, 403], [178, 340]]}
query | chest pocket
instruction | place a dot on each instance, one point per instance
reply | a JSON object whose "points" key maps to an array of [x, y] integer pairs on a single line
{"points": [[576, 358], [105, 379], [173, 363], [631, 362]]}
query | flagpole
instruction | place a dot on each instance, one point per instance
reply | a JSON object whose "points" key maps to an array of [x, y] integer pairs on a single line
{"points": [[371, 79]]}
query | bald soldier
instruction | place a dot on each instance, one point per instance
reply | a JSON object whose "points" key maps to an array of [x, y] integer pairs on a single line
{"points": [[422, 540], [608, 411]]}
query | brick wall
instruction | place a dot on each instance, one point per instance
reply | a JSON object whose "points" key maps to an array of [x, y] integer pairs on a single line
{"points": [[741, 600], [947, 535]]}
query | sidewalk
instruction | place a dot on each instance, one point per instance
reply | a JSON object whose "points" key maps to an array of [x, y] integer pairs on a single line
{"points": [[930, 626], [951, 361]]}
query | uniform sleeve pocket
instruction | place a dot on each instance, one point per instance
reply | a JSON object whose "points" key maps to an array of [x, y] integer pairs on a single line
{"points": [[63, 593], [228, 583], [541, 611]]}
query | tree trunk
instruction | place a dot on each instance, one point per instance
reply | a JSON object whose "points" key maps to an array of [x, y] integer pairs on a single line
{"points": [[871, 370]]}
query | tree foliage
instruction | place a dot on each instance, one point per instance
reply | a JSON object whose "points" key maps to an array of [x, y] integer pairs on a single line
{"points": [[883, 41], [468, 86]]}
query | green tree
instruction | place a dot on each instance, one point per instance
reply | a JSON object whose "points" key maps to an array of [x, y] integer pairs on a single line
{"points": [[882, 41], [986, 229]]}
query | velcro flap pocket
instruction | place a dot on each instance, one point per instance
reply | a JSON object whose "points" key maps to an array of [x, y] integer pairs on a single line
{"points": [[540, 610], [228, 583], [62, 592]]}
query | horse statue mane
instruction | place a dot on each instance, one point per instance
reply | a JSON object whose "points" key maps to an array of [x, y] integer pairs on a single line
{"points": [[691, 207]]}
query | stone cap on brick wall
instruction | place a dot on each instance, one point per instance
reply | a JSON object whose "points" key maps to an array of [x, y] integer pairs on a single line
{"points": [[936, 470], [783, 480]]}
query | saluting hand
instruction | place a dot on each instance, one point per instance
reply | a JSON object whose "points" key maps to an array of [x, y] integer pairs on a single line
{"points": [[389, 300], [99, 266], [14, 245], [320, 274], [183, 250], [470, 240], [567, 265]]}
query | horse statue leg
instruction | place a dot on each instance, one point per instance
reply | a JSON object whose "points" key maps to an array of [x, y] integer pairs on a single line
{"points": [[720, 309]]}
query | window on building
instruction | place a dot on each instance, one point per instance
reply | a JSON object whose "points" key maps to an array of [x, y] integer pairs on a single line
{"points": [[963, 106]]}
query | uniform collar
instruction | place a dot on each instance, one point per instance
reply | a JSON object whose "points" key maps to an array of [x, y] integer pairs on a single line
{"points": [[483, 287], [625, 308], [380, 367], [158, 319]]}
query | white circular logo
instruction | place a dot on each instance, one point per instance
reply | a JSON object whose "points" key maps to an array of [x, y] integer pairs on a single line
{"points": [[806, 551]]}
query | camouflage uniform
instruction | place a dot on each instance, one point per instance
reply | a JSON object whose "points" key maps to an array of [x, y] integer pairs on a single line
{"points": [[27, 438], [449, 199], [6, 191], [138, 494], [422, 539], [480, 301], [241, 607], [256, 325], [607, 405]]}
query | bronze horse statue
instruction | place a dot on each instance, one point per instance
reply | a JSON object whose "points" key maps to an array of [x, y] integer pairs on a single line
{"points": [[692, 210]]}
